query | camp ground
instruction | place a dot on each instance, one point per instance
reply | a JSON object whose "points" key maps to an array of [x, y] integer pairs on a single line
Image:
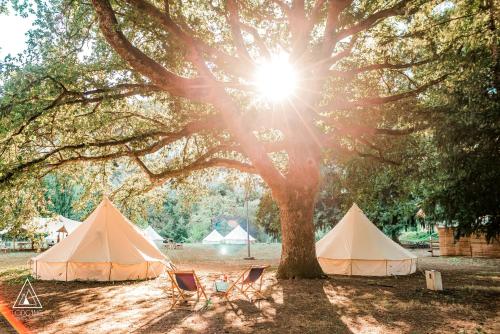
{"points": [[250, 166], [107, 247]]}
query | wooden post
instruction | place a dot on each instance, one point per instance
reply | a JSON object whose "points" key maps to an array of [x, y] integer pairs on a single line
{"points": [[433, 280], [431, 246]]}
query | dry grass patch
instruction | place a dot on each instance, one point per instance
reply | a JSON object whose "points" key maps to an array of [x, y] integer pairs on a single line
{"points": [[470, 303]]}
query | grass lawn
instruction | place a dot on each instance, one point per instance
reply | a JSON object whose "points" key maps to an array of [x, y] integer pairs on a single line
{"points": [[416, 237], [469, 304]]}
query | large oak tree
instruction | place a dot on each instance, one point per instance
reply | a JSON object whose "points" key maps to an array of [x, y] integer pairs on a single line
{"points": [[170, 86]]}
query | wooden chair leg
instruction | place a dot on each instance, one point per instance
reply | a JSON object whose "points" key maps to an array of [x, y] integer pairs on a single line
{"points": [[174, 302], [243, 292]]}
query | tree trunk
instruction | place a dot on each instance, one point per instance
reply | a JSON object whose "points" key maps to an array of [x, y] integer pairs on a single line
{"points": [[298, 252]]}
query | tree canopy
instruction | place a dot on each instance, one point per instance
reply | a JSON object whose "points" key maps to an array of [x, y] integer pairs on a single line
{"points": [[167, 88]]}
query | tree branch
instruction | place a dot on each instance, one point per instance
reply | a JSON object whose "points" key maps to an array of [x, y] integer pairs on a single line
{"points": [[382, 66], [342, 103], [258, 39], [234, 23], [195, 89], [211, 122], [370, 101], [332, 20], [373, 19], [108, 93], [333, 144], [196, 45], [159, 178]]}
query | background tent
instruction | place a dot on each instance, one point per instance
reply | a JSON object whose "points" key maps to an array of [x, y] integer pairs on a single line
{"points": [[106, 247], [150, 233], [238, 236], [59, 227], [52, 229], [213, 238], [355, 246]]}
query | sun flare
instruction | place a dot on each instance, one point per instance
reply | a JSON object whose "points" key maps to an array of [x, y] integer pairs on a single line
{"points": [[276, 80]]}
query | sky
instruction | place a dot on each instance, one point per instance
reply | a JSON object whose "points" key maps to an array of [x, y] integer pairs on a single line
{"points": [[12, 34]]}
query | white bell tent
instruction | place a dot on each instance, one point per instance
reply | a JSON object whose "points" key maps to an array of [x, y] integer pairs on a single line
{"points": [[105, 247], [213, 238], [59, 228], [150, 233], [355, 246], [238, 236]]}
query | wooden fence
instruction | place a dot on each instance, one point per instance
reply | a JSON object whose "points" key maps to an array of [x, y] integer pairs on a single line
{"points": [[473, 245]]}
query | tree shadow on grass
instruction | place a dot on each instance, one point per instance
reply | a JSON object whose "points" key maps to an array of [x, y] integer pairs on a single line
{"points": [[81, 307], [304, 307], [335, 305], [294, 306], [403, 304]]}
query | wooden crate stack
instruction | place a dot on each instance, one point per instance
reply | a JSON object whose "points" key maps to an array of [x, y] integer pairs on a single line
{"points": [[474, 245]]}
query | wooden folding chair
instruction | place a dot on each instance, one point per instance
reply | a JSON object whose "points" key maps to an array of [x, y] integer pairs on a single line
{"points": [[245, 283], [184, 282]]}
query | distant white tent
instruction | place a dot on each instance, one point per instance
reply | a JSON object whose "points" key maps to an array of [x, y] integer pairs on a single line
{"points": [[37, 225], [106, 247], [355, 246], [238, 236], [58, 228], [150, 233], [213, 238], [54, 229]]}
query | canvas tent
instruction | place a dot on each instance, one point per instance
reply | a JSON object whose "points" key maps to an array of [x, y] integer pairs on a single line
{"points": [[53, 229], [213, 238], [59, 227], [105, 247], [150, 233], [355, 246], [238, 236]]}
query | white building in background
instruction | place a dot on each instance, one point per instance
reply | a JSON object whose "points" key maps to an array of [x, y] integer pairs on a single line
{"points": [[213, 238], [238, 236]]}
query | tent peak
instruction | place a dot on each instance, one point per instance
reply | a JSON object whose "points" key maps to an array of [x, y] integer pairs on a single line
{"points": [[355, 206], [106, 247], [355, 246]]}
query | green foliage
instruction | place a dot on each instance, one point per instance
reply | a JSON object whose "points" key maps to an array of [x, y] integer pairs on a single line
{"points": [[67, 105], [268, 216], [219, 205], [384, 194], [61, 195], [466, 171], [417, 236], [170, 220], [15, 276]]}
